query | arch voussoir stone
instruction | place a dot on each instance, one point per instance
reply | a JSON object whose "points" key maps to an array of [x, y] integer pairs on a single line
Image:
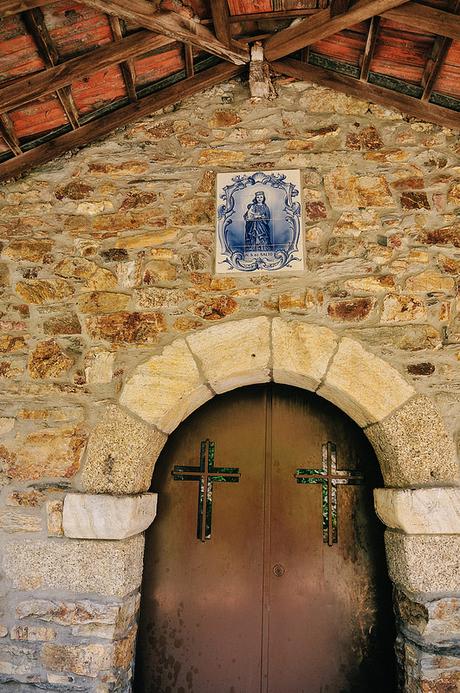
{"points": [[166, 388], [234, 354], [301, 352], [363, 385], [413, 446]]}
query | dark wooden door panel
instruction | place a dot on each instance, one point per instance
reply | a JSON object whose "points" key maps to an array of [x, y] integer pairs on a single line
{"points": [[274, 600], [200, 627], [326, 601]]}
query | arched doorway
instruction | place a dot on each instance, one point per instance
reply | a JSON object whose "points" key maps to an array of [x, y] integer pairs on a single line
{"points": [[265, 568]]}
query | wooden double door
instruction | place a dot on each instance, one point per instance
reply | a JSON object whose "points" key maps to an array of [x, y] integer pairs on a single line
{"points": [[265, 570]]}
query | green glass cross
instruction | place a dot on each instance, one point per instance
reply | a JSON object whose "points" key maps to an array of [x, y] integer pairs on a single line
{"points": [[206, 474], [330, 477]]}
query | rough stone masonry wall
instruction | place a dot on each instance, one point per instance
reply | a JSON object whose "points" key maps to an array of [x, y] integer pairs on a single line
{"points": [[107, 255]]}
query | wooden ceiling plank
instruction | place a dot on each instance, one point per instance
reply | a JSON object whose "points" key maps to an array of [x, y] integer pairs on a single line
{"points": [[31, 87], [370, 92], [322, 25], [369, 49], [173, 25], [188, 55], [9, 135], [220, 17], [35, 24], [123, 116], [426, 19], [127, 66]]}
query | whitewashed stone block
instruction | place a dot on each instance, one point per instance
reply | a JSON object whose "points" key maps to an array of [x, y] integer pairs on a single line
{"points": [[234, 354], [98, 516], [167, 388], [420, 511], [301, 352], [363, 385]]}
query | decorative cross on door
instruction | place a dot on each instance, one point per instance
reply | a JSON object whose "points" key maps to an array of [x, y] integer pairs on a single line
{"points": [[329, 476], [206, 474]]}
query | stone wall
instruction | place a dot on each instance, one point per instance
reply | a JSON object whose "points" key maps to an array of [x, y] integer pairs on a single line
{"points": [[107, 257]]}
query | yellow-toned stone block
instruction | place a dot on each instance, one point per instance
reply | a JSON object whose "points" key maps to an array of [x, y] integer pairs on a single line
{"points": [[301, 352], [234, 354], [363, 385], [167, 388]]}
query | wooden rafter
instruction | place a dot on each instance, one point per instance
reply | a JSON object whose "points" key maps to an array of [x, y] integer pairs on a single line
{"points": [[434, 63], [68, 104], [188, 57], [31, 87], [426, 19], [127, 66], [369, 49], [9, 135], [173, 25], [103, 126], [220, 17], [322, 25], [370, 92], [35, 24]]}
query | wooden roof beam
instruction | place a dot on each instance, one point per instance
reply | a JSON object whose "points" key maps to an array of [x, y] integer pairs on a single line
{"points": [[436, 60], [188, 57], [173, 25], [425, 19], [127, 67], [369, 49], [434, 64], [221, 20], [370, 92], [68, 104], [35, 24], [103, 126], [321, 25], [9, 135], [33, 86]]}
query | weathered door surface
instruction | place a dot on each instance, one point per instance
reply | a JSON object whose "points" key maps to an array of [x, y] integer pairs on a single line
{"points": [[265, 570]]}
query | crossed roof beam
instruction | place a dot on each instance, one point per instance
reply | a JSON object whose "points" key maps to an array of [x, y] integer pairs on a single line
{"points": [[160, 29]]}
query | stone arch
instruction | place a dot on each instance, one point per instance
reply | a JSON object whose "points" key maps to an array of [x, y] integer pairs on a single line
{"points": [[412, 444], [405, 429]]}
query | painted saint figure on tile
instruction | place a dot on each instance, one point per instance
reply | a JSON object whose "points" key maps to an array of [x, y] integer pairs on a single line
{"points": [[257, 229], [259, 222]]}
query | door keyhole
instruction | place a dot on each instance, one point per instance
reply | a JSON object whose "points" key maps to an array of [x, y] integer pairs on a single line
{"points": [[279, 570]]}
